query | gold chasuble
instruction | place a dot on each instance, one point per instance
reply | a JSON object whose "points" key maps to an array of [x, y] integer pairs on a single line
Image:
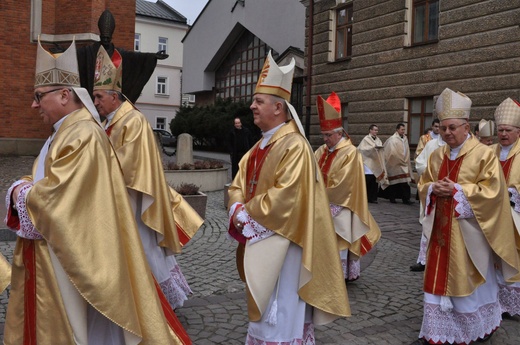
{"points": [[344, 179], [286, 185], [452, 263], [116, 281], [135, 143]]}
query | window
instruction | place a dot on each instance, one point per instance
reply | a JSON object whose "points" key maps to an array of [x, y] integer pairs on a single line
{"points": [[163, 44], [420, 117], [425, 19], [162, 83], [160, 123], [137, 42], [344, 17], [237, 76]]}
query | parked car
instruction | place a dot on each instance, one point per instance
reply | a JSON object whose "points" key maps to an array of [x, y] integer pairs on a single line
{"points": [[166, 138]]}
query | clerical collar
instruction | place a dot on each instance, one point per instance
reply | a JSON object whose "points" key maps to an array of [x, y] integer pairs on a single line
{"points": [[454, 152], [110, 116], [334, 147], [504, 151], [58, 123], [268, 134], [374, 137]]}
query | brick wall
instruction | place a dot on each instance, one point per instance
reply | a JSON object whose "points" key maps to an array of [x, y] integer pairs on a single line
{"points": [[18, 53], [478, 53]]}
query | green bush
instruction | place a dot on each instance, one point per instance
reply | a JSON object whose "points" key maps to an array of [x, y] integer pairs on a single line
{"points": [[210, 125]]}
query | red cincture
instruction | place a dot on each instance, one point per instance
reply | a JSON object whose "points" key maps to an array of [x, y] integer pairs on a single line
{"points": [[29, 262]]}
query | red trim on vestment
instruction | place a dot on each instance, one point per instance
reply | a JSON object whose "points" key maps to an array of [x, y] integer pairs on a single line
{"points": [[438, 253], [366, 246], [396, 177], [170, 316], [183, 236], [108, 131], [13, 221], [29, 305], [325, 163], [506, 166]]}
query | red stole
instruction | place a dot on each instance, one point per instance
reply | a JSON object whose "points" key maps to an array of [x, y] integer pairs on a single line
{"points": [[437, 257], [325, 162], [29, 293], [109, 130], [254, 166], [506, 166]]}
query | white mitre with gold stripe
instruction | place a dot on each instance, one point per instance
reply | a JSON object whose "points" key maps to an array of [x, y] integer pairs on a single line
{"points": [[452, 105]]}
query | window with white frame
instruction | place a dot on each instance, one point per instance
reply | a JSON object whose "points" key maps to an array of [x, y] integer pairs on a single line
{"points": [[163, 44], [425, 21], [161, 88], [137, 42], [160, 123]]}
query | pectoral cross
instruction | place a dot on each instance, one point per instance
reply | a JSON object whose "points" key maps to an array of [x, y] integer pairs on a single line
{"points": [[252, 184]]}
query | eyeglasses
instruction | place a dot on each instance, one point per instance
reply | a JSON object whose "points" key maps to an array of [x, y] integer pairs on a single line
{"points": [[39, 95], [452, 128]]}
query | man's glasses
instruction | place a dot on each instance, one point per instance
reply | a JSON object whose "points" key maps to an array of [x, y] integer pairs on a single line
{"points": [[39, 95], [452, 128]]}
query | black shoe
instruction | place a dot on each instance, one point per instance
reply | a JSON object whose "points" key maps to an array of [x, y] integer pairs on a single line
{"points": [[393, 201], [420, 341], [408, 202], [372, 201], [418, 267]]}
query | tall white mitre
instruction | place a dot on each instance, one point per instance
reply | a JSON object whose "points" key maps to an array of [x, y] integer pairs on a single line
{"points": [[452, 105], [508, 113], [56, 69]]}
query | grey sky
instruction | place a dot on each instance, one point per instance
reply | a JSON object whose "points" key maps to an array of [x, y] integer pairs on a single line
{"points": [[188, 8]]}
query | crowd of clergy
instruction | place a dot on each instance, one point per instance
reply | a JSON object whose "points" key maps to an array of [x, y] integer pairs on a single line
{"points": [[98, 226]]}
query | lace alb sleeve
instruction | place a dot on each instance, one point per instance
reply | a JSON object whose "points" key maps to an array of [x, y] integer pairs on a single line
{"points": [[252, 230], [334, 209], [27, 229], [462, 207]]}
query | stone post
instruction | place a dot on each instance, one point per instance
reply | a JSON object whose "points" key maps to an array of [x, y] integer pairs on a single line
{"points": [[184, 149]]}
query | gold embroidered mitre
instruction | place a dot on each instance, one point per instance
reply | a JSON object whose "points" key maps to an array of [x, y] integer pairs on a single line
{"points": [[56, 69], [508, 113], [275, 80], [452, 105], [108, 74], [486, 128], [329, 112]]}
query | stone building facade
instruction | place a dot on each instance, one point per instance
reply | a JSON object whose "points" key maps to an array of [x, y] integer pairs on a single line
{"points": [[388, 60], [55, 21]]}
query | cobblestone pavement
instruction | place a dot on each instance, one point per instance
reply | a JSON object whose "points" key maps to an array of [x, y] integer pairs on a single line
{"points": [[386, 301]]}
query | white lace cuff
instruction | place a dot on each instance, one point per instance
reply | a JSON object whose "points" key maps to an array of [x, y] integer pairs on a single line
{"points": [[462, 207], [252, 230], [334, 209], [27, 229], [8, 199], [514, 198]]}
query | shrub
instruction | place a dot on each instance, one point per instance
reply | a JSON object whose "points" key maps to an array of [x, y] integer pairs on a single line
{"points": [[187, 189]]}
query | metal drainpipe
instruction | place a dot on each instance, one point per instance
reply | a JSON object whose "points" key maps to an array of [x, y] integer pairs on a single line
{"points": [[309, 70]]}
